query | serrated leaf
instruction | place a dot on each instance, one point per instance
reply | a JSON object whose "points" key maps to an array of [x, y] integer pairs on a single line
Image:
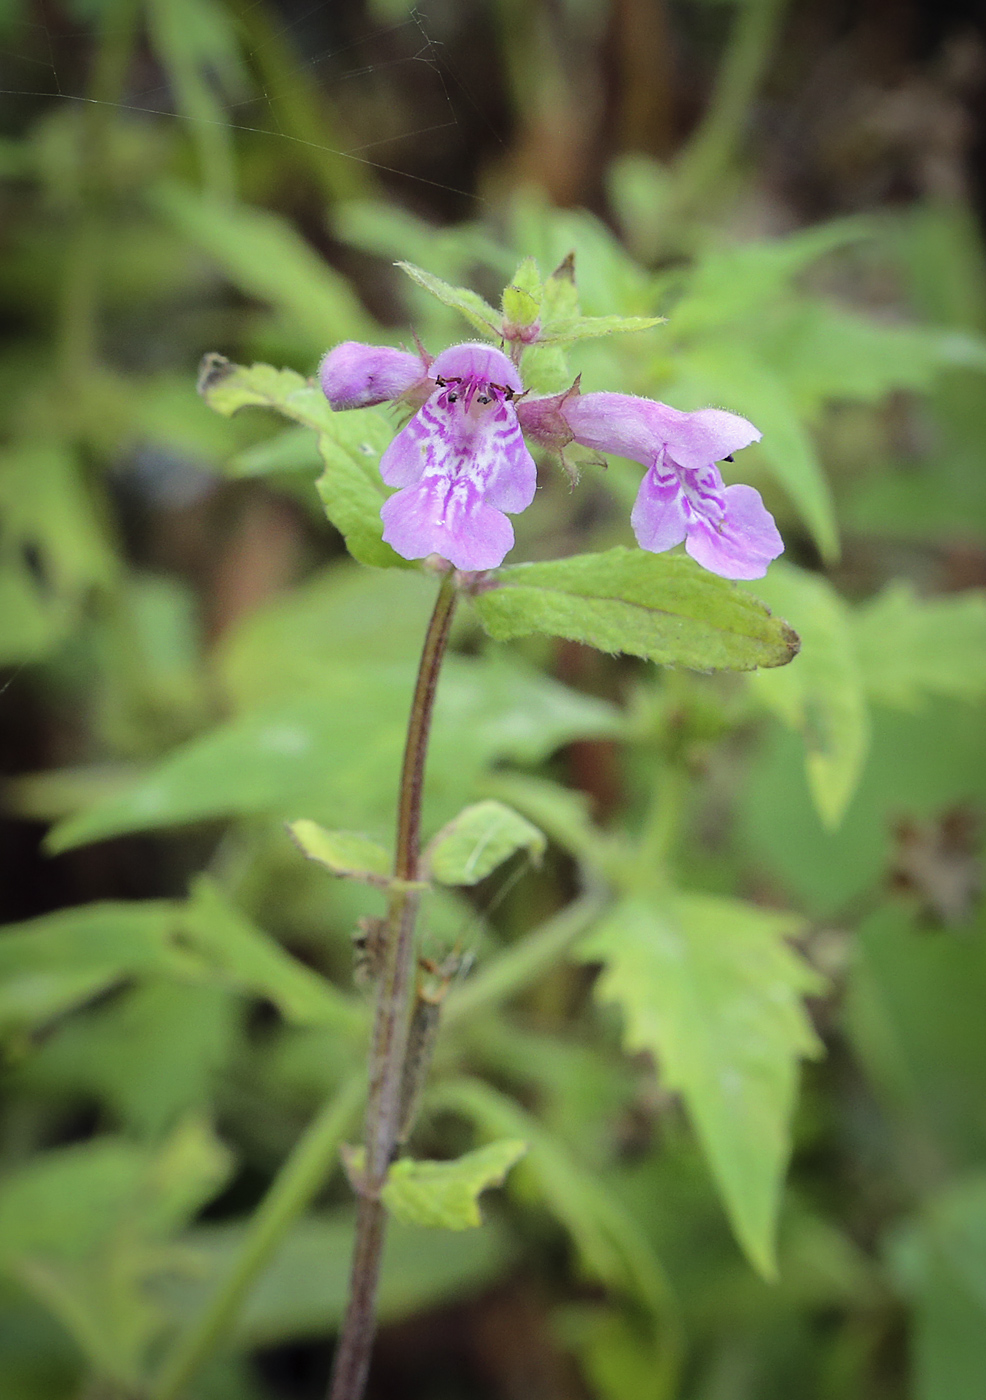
{"points": [[85, 1229], [445, 1195], [469, 303], [663, 607], [823, 696], [479, 839], [344, 853], [909, 647], [825, 352], [228, 387], [711, 989]]}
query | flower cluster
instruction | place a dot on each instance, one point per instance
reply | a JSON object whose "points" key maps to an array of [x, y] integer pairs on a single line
{"points": [[462, 464]]}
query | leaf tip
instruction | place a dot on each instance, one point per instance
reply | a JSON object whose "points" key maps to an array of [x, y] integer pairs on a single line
{"points": [[213, 369]]}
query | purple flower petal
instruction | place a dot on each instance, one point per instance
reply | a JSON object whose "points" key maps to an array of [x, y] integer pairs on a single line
{"points": [[744, 542], [473, 360], [403, 461], [639, 428], [449, 518], [658, 516], [357, 376]]}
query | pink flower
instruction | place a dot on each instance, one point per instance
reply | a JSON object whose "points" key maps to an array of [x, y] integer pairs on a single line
{"points": [[462, 462], [726, 529]]}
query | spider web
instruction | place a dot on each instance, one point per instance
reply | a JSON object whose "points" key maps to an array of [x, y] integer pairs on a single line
{"points": [[40, 34]]}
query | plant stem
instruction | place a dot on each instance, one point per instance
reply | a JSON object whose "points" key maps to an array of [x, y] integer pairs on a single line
{"points": [[296, 1183], [390, 1031]]}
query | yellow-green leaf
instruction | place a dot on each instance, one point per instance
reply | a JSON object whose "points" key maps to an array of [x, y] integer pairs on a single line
{"points": [[710, 987], [345, 853], [479, 839], [446, 1194]]}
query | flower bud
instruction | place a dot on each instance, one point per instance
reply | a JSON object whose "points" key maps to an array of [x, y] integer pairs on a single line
{"points": [[357, 376]]}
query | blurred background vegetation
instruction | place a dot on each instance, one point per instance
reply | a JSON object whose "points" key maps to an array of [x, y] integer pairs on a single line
{"points": [[190, 659]]}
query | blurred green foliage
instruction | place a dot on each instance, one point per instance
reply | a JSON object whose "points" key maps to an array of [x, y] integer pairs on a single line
{"points": [[720, 846]]}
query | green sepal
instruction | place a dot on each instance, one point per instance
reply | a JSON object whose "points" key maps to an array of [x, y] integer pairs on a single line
{"points": [[662, 607], [522, 298], [479, 839]]}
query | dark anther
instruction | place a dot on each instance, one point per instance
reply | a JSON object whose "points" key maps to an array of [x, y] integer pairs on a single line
{"points": [[440, 381], [483, 398], [453, 398]]}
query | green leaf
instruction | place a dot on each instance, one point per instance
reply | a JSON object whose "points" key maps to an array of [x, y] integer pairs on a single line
{"points": [[823, 696], [305, 1288], [344, 853], [250, 960], [562, 813], [293, 642], [266, 258], [150, 1053], [445, 1195], [350, 445], [471, 305], [733, 284], [824, 352], [335, 750], [663, 607], [914, 1013], [710, 988], [48, 518], [352, 492], [83, 1229], [612, 1248], [228, 387], [53, 963], [940, 1263], [522, 299], [479, 839], [293, 450], [566, 331], [909, 647]]}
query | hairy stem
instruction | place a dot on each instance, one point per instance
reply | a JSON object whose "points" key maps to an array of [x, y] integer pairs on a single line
{"points": [[302, 1174], [390, 1032]]}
